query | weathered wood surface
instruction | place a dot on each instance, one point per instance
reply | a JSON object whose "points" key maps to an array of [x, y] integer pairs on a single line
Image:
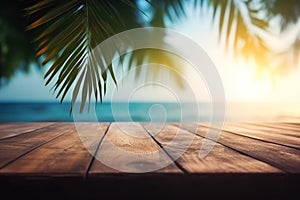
{"points": [[129, 148], [149, 157], [220, 160]]}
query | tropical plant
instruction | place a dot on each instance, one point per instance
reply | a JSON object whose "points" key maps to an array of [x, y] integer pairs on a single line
{"points": [[246, 25], [16, 49], [72, 29], [69, 30]]}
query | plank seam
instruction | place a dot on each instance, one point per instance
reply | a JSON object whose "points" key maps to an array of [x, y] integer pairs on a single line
{"points": [[27, 132], [86, 175], [277, 126], [271, 127], [30, 150], [242, 152], [254, 138], [180, 167]]}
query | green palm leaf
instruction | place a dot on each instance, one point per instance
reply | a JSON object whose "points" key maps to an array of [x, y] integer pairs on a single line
{"points": [[72, 29]]}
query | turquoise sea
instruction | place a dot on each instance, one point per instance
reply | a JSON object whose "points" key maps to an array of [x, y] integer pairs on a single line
{"points": [[143, 112], [46, 111]]}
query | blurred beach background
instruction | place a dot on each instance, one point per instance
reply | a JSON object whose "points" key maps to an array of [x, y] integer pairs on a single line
{"points": [[253, 91]]}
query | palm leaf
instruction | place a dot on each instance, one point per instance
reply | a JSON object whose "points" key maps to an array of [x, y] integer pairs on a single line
{"points": [[246, 20], [239, 19], [72, 29]]}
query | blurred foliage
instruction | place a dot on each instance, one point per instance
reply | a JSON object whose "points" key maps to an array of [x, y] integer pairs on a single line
{"points": [[72, 29], [245, 25], [63, 33], [16, 48]]}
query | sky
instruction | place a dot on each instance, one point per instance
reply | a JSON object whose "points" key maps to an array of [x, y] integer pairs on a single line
{"points": [[239, 78]]}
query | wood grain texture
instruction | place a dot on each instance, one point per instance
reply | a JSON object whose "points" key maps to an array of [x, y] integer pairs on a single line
{"points": [[127, 147], [282, 157], [67, 149], [56, 162], [266, 134], [14, 147], [67, 155], [13, 129], [278, 128], [220, 160], [294, 127]]}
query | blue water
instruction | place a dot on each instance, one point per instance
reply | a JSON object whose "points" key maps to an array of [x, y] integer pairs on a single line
{"points": [[105, 112]]}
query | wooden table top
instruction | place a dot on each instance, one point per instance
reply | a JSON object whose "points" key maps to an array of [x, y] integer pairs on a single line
{"points": [[248, 158]]}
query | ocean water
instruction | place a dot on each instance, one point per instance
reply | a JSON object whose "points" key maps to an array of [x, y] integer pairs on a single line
{"points": [[146, 112], [104, 112]]}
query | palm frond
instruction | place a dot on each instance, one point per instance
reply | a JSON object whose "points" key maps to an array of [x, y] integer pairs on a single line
{"points": [[72, 29], [287, 10], [172, 9], [240, 24]]}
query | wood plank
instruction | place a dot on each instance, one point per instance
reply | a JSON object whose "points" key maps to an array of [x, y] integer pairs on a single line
{"points": [[67, 155], [278, 128], [284, 158], [14, 147], [220, 160], [127, 147], [282, 125], [263, 133], [292, 124], [16, 128]]}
